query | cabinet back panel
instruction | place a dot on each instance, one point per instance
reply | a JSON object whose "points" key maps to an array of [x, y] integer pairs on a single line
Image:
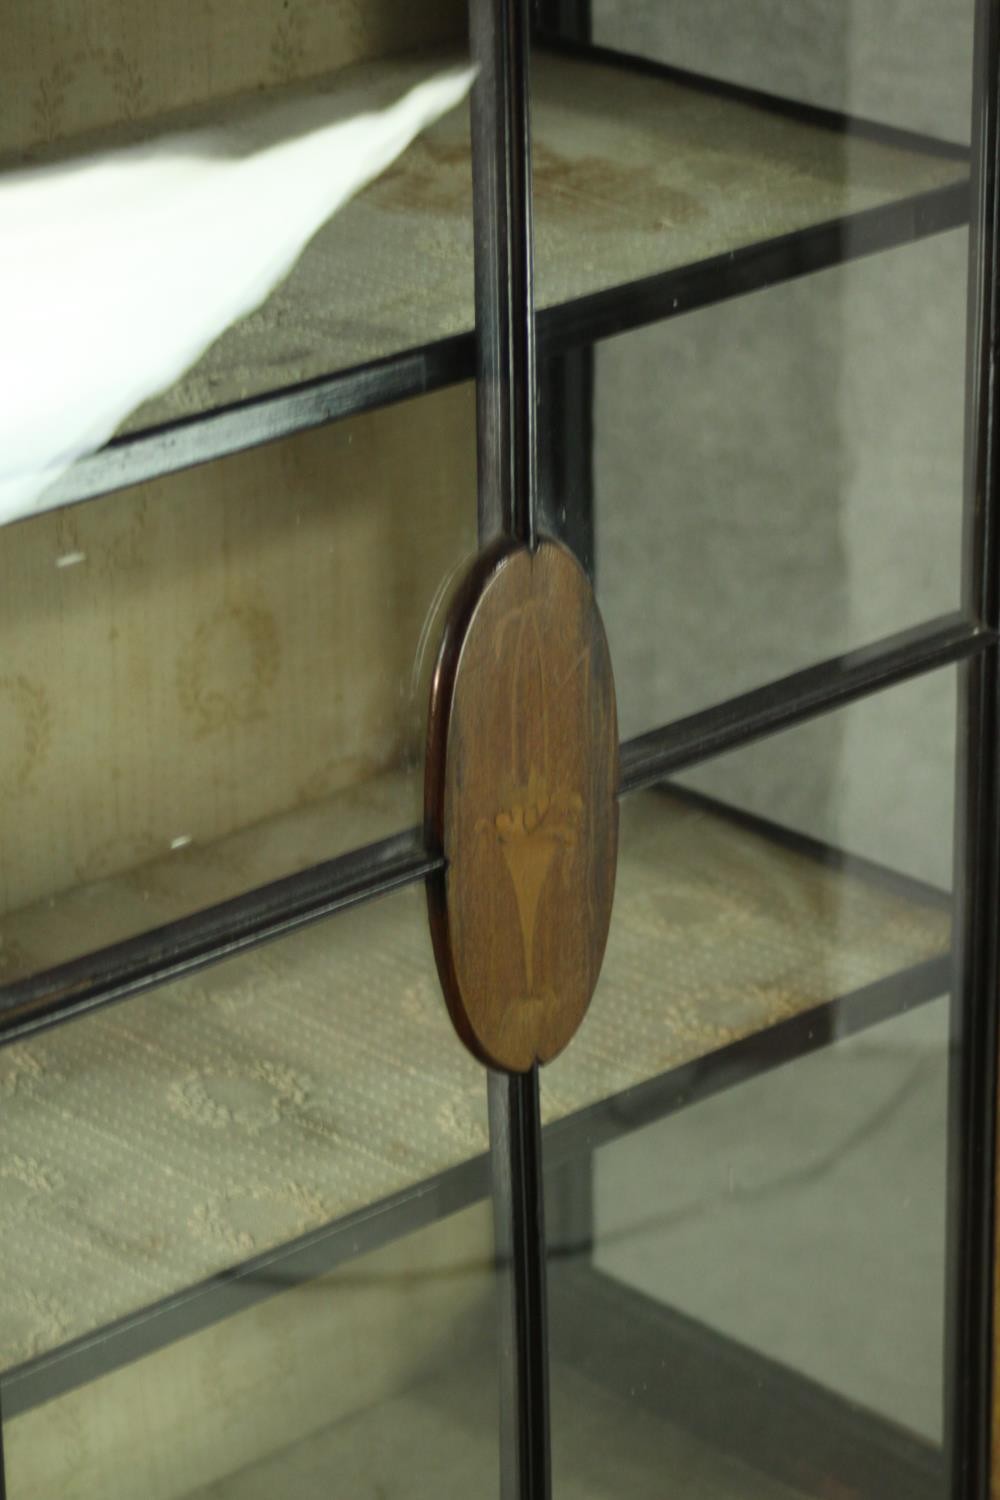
{"points": [[190, 657], [70, 68]]}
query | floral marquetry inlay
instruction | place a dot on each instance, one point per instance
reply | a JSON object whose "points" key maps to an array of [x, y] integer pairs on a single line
{"points": [[522, 778], [530, 832]]}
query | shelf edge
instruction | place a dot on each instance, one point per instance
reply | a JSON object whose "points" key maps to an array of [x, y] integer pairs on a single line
{"points": [[155, 453]]}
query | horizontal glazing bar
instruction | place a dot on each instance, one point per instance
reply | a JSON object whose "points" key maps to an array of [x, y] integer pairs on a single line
{"points": [[801, 696], [795, 109], [124, 969], [752, 268], [217, 434]]}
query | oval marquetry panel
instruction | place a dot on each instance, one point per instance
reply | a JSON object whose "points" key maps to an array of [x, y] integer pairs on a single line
{"points": [[522, 784]]}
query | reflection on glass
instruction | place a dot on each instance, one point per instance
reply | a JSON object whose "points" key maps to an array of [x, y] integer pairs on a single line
{"points": [[212, 1125], [219, 678], [747, 1261]]}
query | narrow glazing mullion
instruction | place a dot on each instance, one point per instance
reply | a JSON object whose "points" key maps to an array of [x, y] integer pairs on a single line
{"points": [[800, 696], [504, 270], [970, 1317], [516, 1175], [508, 507]]}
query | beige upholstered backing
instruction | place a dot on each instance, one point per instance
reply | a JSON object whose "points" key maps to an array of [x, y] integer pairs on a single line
{"points": [[189, 657], [71, 67]]}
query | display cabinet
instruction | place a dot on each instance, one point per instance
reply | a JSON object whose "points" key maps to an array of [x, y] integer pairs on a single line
{"points": [[499, 805]]}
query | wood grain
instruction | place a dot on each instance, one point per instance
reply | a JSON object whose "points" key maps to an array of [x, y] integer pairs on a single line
{"points": [[521, 796]]}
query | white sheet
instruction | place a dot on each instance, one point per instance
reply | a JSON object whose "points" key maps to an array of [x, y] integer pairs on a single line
{"points": [[118, 271]]}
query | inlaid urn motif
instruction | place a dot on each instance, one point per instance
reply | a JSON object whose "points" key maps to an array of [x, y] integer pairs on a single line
{"points": [[522, 776]]}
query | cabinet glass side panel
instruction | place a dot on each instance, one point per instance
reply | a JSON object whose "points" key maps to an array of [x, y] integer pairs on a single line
{"points": [[247, 1235], [747, 1227], [219, 678], [762, 455]]}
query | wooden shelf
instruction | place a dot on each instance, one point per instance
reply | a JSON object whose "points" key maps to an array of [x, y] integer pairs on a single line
{"points": [[157, 1144], [649, 195]]}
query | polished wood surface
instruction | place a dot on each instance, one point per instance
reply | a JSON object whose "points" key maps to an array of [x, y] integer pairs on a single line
{"points": [[521, 785]]}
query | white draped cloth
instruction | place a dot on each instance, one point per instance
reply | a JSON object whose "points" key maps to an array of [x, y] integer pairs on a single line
{"points": [[117, 271]]}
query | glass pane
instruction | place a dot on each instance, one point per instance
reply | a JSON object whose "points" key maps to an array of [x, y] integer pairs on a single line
{"points": [[638, 173], [238, 81], [747, 1260], [219, 678], [773, 411], [803, 445], [305, 1116]]}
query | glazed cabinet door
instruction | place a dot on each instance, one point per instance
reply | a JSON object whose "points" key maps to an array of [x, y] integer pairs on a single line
{"points": [[765, 290]]}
